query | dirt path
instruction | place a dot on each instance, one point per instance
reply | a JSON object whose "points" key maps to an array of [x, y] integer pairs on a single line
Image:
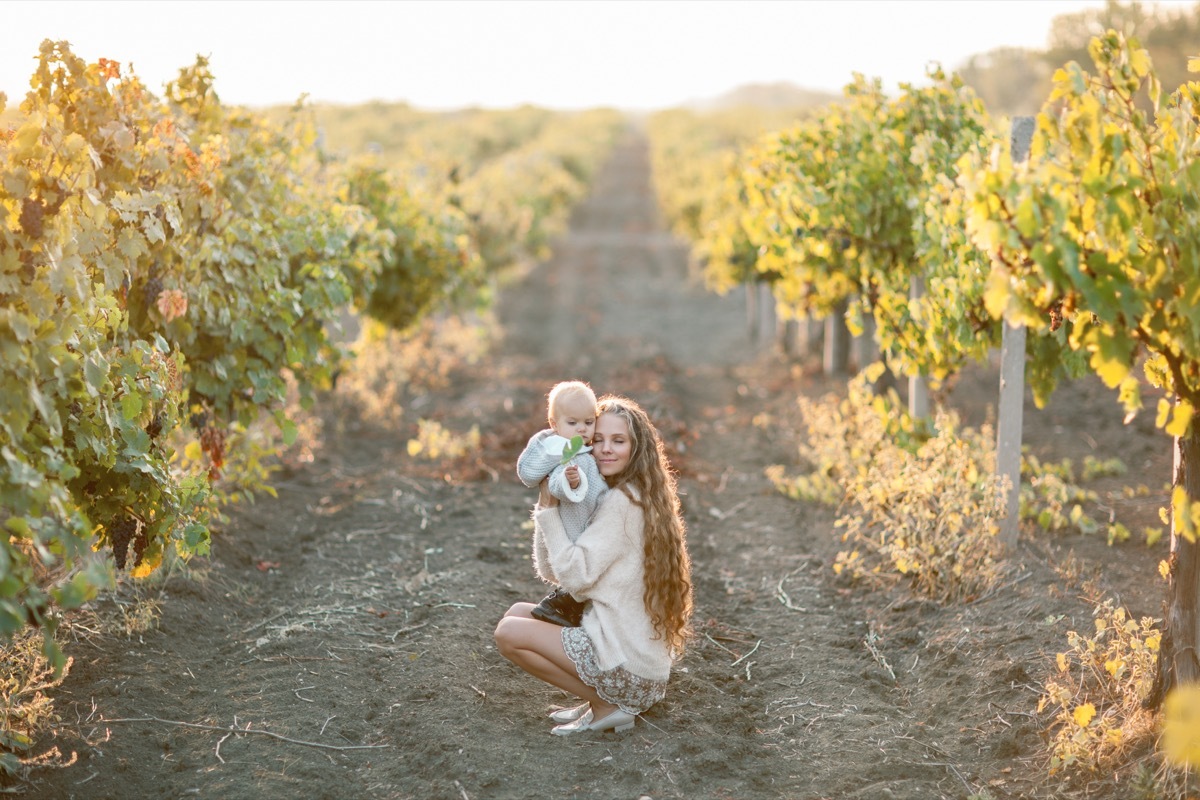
{"points": [[353, 615]]}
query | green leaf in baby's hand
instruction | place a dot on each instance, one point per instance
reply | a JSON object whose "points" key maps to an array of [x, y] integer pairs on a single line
{"points": [[573, 447]]}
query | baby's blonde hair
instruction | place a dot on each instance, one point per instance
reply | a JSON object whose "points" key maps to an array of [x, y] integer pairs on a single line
{"points": [[568, 389]]}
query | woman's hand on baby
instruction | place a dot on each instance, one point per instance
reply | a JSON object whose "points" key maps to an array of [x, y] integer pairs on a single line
{"points": [[545, 499]]}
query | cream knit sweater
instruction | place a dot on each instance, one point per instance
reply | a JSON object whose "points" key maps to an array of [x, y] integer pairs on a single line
{"points": [[605, 565]]}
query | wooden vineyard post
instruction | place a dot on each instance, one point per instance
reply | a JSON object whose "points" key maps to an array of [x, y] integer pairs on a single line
{"points": [[1012, 385], [767, 323], [837, 341], [866, 350], [751, 288]]}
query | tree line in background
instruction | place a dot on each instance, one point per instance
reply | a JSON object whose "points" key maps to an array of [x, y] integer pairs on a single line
{"points": [[1015, 80]]}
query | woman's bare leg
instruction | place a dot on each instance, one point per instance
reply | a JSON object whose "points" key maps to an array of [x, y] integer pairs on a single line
{"points": [[536, 647]]}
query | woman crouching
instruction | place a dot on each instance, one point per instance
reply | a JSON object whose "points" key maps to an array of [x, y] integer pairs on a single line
{"points": [[630, 565]]}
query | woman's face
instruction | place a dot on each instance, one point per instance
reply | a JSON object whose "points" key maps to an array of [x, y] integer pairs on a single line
{"points": [[611, 445]]}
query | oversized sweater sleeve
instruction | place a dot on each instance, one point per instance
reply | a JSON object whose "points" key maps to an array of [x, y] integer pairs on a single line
{"points": [[534, 463], [560, 487], [580, 565]]}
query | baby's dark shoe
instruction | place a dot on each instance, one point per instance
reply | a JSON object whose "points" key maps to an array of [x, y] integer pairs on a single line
{"points": [[559, 608]]}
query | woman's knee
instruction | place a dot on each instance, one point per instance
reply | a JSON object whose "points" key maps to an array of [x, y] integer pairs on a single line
{"points": [[506, 635]]}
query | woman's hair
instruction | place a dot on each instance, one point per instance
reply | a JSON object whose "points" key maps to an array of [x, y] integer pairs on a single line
{"points": [[668, 569]]}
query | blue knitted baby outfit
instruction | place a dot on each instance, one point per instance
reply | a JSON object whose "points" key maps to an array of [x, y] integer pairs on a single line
{"points": [[541, 458]]}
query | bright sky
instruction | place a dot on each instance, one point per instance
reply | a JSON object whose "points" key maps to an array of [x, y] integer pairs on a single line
{"points": [[633, 54]]}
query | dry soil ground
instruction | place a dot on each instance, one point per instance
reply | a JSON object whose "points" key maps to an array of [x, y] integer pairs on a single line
{"points": [[344, 629]]}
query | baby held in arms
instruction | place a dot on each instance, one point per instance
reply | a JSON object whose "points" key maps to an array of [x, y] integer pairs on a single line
{"points": [[562, 454]]}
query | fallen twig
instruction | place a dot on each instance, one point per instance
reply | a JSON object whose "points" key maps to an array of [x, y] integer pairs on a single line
{"points": [[756, 644], [783, 596], [217, 752], [878, 656], [723, 647], [409, 629], [271, 618], [724, 515], [247, 729]]}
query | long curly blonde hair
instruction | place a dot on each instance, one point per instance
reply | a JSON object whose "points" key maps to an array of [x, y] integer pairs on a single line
{"points": [[668, 568]]}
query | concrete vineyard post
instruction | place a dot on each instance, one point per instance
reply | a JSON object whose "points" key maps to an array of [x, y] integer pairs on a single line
{"points": [[1012, 384]]}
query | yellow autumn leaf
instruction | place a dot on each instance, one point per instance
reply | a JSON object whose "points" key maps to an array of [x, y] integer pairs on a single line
{"points": [[995, 296], [1181, 726], [1152, 536], [1111, 370], [1181, 419], [1194, 65], [1084, 714], [1062, 662], [1164, 569], [193, 451], [148, 565], [1163, 414], [1113, 666], [1139, 60], [414, 447]]}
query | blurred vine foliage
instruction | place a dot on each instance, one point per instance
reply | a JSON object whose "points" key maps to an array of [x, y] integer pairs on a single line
{"points": [[507, 178], [431, 256], [166, 265], [1090, 242], [1096, 234], [842, 210], [694, 153], [173, 269]]}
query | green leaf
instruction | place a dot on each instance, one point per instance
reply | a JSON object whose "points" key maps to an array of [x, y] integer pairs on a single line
{"points": [[571, 449], [290, 432], [40, 402], [195, 539], [76, 591], [95, 371], [19, 526], [131, 405]]}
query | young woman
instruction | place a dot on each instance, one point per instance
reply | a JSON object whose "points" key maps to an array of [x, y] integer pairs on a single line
{"points": [[631, 565]]}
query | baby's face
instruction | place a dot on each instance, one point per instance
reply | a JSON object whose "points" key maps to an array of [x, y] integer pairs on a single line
{"points": [[575, 417]]}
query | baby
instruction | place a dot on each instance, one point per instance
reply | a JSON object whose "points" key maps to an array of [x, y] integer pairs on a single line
{"points": [[575, 480]]}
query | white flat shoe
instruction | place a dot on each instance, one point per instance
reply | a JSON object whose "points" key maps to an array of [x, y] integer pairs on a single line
{"points": [[569, 714], [618, 721]]}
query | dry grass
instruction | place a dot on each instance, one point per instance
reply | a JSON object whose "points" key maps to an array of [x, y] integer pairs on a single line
{"points": [[28, 710]]}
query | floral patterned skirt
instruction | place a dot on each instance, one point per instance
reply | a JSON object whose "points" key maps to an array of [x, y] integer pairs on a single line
{"points": [[631, 693]]}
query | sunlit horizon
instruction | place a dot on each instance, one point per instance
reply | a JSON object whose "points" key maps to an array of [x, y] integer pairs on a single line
{"points": [[574, 54]]}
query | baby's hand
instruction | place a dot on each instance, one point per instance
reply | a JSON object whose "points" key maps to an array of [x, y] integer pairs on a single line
{"points": [[572, 473]]}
